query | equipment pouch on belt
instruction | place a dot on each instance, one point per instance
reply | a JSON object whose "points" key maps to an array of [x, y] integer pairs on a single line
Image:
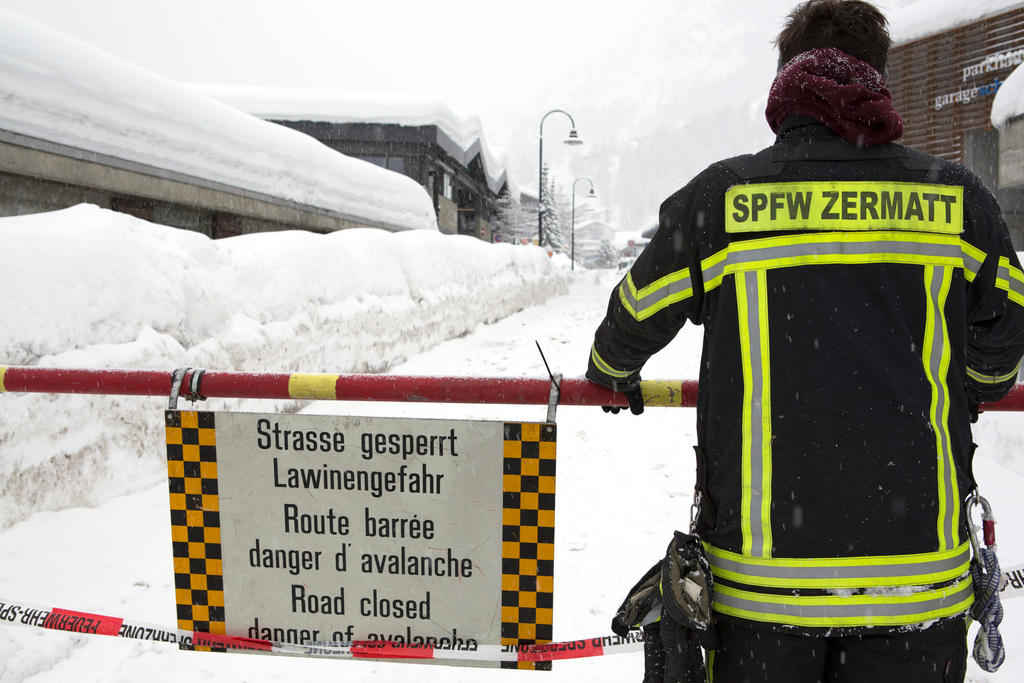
{"points": [[672, 604]]}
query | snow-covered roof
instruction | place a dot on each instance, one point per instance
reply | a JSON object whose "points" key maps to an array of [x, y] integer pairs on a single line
{"points": [[348, 106], [621, 239], [1009, 101], [61, 90], [593, 223], [928, 17]]}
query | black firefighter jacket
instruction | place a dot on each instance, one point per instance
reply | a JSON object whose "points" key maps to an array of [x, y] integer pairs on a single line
{"points": [[856, 304]]}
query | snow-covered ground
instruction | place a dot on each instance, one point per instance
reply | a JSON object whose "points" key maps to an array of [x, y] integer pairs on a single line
{"points": [[624, 481]]}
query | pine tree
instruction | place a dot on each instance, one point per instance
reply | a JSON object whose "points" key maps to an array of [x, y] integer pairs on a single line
{"points": [[551, 215], [607, 255], [513, 221], [507, 216]]}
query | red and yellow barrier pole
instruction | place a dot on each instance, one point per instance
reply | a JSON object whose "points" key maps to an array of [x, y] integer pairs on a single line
{"points": [[330, 387]]}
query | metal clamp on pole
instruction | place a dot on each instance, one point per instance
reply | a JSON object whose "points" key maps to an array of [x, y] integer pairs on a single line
{"points": [[193, 386], [556, 390], [556, 385], [176, 379]]}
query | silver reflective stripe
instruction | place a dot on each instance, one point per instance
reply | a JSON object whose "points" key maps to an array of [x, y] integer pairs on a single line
{"points": [[937, 358], [712, 273], [1013, 284], [846, 608], [972, 264], [751, 296], [628, 297], [992, 379], [603, 366], [916, 571], [640, 302], [831, 248], [756, 254]]}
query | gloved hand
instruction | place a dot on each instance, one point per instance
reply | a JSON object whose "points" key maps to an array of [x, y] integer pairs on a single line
{"points": [[636, 402], [628, 385], [672, 603]]}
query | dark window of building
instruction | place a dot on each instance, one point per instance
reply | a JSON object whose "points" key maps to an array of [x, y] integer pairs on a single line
{"points": [[140, 208], [448, 186], [396, 164], [375, 160], [226, 225], [467, 222]]}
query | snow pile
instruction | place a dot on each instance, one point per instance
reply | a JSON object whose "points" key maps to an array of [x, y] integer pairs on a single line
{"points": [[59, 89], [86, 287], [928, 17], [344, 106], [1009, 101]]}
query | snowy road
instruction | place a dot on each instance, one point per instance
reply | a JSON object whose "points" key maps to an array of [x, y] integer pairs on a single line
{"points": [[624, 484]]}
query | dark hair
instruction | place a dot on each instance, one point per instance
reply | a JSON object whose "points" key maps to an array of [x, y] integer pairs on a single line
{"points": [[855, 27]]}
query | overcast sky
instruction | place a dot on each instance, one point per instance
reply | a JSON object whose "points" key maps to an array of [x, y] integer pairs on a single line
{"points": [[633, 74]]}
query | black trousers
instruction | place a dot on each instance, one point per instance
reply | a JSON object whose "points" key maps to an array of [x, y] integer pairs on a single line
{"points": [[755, 655]]}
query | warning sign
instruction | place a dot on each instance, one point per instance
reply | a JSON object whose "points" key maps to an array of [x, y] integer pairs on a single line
{"points": [[315, 529]]}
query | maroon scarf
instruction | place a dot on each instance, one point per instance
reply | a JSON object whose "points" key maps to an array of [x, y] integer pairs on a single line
{"points": [[844, 93]]}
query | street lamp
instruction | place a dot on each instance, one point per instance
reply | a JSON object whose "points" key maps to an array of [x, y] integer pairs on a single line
{"points": [[573, 139], [590, 195]]}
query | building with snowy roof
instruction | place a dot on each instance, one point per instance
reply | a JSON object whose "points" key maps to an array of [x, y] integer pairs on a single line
{"points": [[424, 139], [948, 61], [590, 238], [1008, 118], [80, 125], [630, 243]]}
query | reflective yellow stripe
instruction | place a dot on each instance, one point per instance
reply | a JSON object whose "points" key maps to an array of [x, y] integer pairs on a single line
{"points": [[936, 358], [845, 205], [1011, 280], [313, 386], [766, 415], [992, 379], [627, 294], [874, 609], [605, 368], [973, 260], [746, 433], [756, 471], [3, 373], [662, 393], [918, 569], [663, 292], [832, 248]]}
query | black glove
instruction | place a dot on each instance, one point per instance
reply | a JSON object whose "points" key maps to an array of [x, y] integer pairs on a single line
{"points": [[672, 603], [636, 402]]}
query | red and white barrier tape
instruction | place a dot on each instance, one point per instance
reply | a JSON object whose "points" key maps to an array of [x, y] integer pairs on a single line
{"points": [[1013, 581], [21, 614], [58, 619]]}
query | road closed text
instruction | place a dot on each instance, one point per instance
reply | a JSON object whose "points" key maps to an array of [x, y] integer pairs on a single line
{"points": [[845, 206]]}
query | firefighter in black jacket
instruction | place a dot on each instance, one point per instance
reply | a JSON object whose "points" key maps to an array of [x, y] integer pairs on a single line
{"points": [[859, 300]]}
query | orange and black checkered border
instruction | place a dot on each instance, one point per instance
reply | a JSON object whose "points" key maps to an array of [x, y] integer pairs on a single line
{"points": [[528, 537], [195, 522]]}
